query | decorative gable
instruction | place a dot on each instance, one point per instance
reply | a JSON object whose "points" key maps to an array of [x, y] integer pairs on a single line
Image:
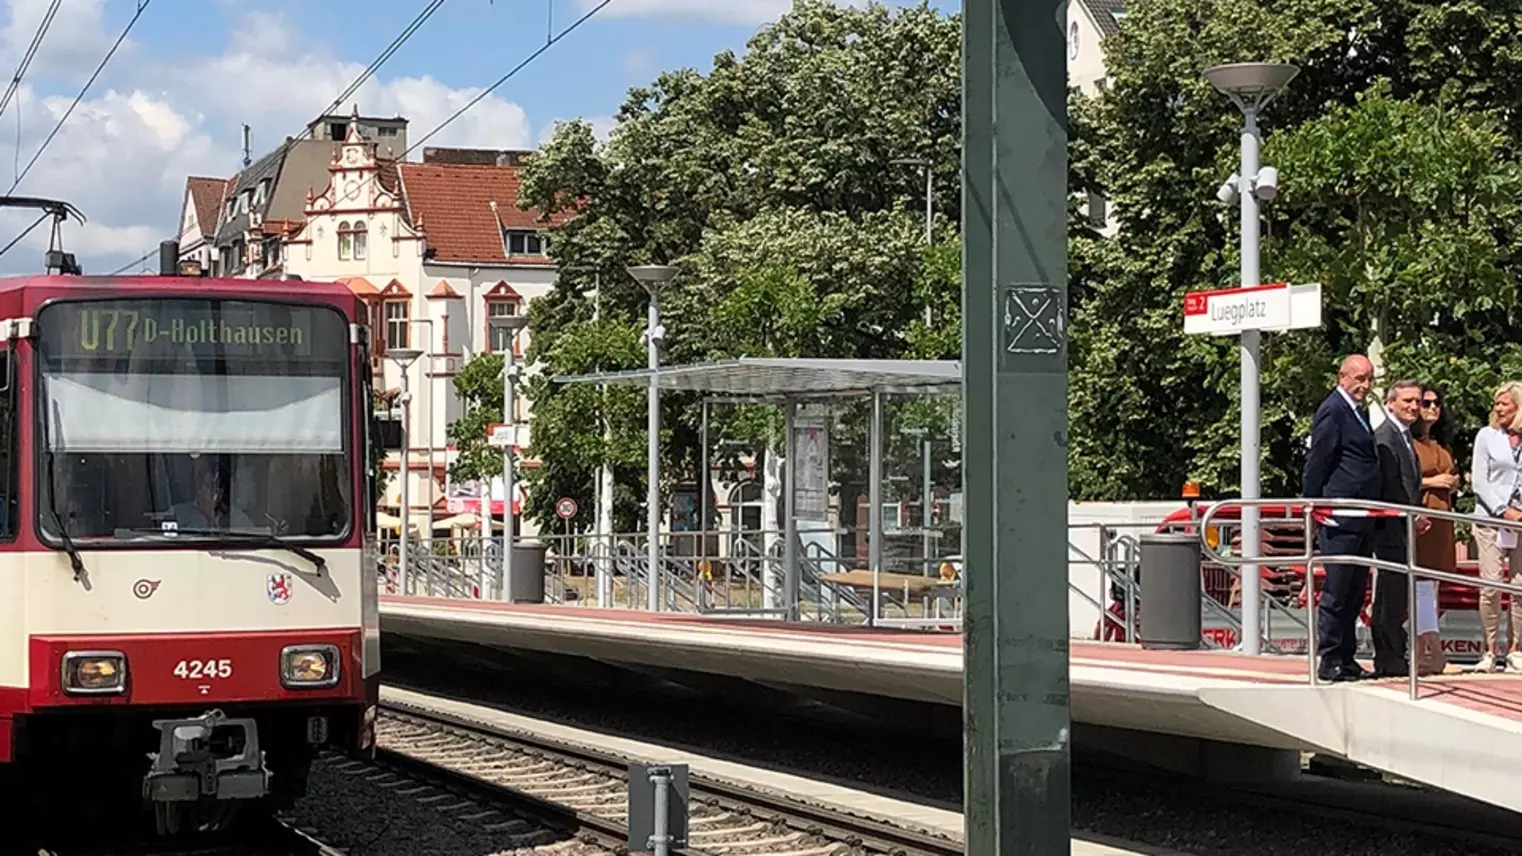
{"points": [[503, 291], [394, 290], [443, 291], [188, 225]]}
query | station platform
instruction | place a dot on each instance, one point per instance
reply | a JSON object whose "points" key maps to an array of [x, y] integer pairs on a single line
{"points": [[1214, 713]]}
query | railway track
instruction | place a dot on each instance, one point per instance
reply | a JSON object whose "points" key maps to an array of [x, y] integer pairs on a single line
{"points": [[263, 837], [588, 788]]}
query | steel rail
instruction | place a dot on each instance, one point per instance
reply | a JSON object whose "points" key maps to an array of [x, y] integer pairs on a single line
{"points": [[861, 831]]}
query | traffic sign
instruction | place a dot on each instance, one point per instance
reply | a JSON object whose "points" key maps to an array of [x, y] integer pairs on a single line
{"points": [[1274, 307], [565, 507], [501, 436]]}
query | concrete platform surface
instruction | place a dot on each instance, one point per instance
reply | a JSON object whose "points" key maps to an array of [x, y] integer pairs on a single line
{"points": [[1246, 718]]}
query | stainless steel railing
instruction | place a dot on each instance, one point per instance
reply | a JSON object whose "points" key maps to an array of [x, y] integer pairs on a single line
{"points": [[1386, 511]]}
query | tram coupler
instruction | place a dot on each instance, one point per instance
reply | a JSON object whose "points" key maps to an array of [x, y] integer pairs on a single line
{"points": [[207, 757]]}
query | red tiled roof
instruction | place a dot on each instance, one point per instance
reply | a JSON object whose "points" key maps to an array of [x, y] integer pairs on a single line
{"points": [[451, 203], [283, 228], [443, 289], [360, 286], [206, 195]]}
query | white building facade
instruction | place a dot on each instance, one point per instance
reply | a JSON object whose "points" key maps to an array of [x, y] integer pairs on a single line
{"points": [[435, 249]]}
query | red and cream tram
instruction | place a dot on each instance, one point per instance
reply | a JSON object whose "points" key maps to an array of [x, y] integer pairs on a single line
{"points": [[188, 612]]}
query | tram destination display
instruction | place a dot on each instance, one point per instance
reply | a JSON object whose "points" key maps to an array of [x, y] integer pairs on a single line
{"points": [[166, 327]]}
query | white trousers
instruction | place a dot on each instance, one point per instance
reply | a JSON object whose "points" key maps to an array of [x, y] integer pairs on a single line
{"points": [[1426, 606]]}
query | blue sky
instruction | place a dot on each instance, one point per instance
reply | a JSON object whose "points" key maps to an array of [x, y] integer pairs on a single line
{"points": [[171, 101]]}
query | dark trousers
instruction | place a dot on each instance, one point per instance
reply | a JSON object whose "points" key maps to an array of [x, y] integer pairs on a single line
{"points": [[1388, 616], [1341, 595]]}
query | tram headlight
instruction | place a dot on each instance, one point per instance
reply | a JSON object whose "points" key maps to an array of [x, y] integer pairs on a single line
{"points": [[94, 673], [309, 667]]}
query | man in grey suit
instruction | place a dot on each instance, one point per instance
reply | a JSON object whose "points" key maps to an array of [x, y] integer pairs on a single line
{"points": [[1400, 483]]}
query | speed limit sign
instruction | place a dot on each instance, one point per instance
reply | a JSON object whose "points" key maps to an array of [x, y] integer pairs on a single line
{"points": [[565, 507]]}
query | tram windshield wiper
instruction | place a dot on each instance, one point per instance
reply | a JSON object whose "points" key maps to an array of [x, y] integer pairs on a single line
{"points": [[75, 562], [252, 537]]}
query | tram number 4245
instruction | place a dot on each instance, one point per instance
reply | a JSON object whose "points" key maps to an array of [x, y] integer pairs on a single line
{"points": [[196, 670]]}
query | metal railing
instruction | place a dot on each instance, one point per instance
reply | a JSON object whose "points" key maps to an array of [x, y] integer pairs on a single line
{"points": [[1383, 512], [741, 573]]}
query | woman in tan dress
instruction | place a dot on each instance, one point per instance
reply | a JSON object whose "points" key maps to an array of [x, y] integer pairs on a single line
{"points": [[1435, 547]]}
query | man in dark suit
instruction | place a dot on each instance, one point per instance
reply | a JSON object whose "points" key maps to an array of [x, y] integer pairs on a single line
{"points": [[1342, 464], [1400, 483]]}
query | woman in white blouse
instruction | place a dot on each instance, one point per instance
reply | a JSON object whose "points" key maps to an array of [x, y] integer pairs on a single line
{"points": [[1497, 474]]}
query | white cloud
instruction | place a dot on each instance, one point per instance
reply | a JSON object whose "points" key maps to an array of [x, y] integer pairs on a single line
{"points": [[76, 39], [124, 154]]}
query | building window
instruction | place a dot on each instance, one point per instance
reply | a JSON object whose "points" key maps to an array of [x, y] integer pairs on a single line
{"points": [[525, 243], [271, 253], [386, 132], [338, 130], [262, 192], [398, 312], [345, 242], [1097, 210], [361, 241], [497, 339]]}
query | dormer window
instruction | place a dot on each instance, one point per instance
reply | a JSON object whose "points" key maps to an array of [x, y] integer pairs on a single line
{"points": [[261, 193], [243, 199], [521, 242]]}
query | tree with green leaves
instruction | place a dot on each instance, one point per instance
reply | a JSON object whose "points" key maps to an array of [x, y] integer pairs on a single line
{"points": [[770, 179], [1397, 193]]}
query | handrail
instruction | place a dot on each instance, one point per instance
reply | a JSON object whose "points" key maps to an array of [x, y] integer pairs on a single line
{"points": [[1384, 511]]}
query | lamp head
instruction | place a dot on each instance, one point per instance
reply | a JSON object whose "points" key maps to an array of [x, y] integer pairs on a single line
{"points": [[1251, 85], [403, 357], [652, 277], [510, 323]]}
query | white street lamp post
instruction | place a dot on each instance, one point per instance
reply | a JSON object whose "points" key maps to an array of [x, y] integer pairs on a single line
{"points": [[1250, 86], [512, 324], [653, 278], [404, 358]]}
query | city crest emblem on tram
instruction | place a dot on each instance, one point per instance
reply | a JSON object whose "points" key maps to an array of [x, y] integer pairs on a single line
{"points": [[279, 589]]}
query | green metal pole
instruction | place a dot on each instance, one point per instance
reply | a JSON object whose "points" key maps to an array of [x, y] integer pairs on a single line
{"points": [[1014, 365]]}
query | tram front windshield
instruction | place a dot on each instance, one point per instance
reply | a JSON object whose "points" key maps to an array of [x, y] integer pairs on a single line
{"points": [[192, 418]]}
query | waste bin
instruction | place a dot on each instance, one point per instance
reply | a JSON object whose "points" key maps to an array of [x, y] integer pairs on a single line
{"points": [[525, 581], [1170, 591]]}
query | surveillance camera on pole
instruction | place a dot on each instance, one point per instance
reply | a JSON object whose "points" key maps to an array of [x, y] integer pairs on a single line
{"points": [[1267, 184]]}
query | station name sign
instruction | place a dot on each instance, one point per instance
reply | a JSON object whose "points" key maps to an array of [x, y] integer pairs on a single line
{"points": [[1275, 307], [165, 327]]}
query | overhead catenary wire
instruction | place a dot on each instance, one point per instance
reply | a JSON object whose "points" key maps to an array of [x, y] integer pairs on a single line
{"points": [[31, 53], [553, 40], [381, 59], [513, 72], [16, 240], [396, 43], [142, 259], [142, 6]]}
